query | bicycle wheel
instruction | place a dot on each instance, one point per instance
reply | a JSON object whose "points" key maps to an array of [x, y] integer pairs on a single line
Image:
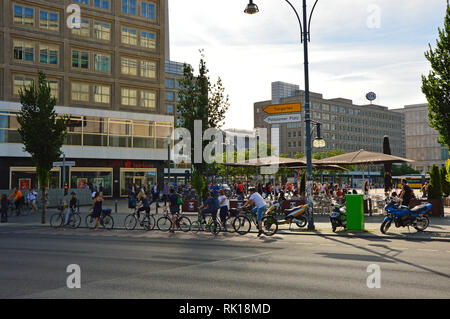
{"points": [[108, 222], [184, 224], [242, 225], [164, 223], [148, 222], [24, 210], [214, 228], [229, 225], [90, 221], [269, 225], [130, 222], [196, 227], [56, 220], [74, 220]]}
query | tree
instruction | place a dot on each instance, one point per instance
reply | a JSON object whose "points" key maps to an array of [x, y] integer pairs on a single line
{"points": [[41, 131], [445, 185], [434, 189], [436, 86], [404, 169]]}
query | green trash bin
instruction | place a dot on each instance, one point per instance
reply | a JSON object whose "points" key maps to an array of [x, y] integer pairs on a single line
{"points": [[355, 212]]}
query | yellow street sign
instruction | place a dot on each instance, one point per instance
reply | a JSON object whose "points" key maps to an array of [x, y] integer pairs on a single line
{"points": [[283, 108]]}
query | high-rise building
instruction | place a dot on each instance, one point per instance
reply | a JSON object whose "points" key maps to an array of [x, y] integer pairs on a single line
{"points": [[344, 125], [421, 139], [108, 75]]}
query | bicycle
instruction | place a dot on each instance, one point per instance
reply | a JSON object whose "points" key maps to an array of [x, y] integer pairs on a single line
{"points": [[212, 225], [182, 223], [19, 211], [57, 220], [146, 221], [242, 224], [105, 220]]}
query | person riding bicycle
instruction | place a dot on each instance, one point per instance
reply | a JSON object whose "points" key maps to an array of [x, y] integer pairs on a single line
{"points": [[72, 207], [174, 207], [145, 205], [32, 197], [259, 209], [209, 207], [18, 199]]}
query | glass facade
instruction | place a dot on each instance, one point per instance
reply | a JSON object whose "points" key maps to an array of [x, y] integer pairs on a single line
{"points": [[100, 131], [81, 177], [26, 177], [140, 177]]}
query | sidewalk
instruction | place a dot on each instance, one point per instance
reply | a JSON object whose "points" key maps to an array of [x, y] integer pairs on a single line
{"points": [[439, 228]]}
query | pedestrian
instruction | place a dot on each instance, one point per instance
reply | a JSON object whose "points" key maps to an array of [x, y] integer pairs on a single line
{"points": [[97, 208], [223, 204], [166, 194], [367, 197], [424, 190], [4, 209], [32, 198], [155, 195], [406, 194], [72, 207], [259, 209], [18, 199], [100, 188], [209, 207]]}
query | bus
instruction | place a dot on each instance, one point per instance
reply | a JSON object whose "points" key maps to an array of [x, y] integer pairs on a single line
{"points": [[415, 181]]}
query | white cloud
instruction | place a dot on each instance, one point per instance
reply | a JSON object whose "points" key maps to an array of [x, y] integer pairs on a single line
{"points": [[347, 59]]}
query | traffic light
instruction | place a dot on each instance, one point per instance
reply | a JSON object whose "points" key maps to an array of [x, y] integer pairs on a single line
{"points": [[66, 189]]}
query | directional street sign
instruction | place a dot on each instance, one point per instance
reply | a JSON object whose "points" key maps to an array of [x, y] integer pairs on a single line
{"points": [[61, 164], [283, 108], [281, 119]]}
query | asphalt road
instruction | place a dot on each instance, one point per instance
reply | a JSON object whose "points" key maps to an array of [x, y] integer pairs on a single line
{"points": [[138, 264]]}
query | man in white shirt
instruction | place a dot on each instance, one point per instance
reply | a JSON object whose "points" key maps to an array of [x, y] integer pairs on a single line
{"points": [[259, 209], [32, 197]]}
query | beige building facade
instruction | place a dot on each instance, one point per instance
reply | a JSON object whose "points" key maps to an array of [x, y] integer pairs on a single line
{"points": [[421, 139]]}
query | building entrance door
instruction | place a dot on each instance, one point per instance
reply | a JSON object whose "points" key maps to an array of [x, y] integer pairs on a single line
{"points": [[139, 181]]}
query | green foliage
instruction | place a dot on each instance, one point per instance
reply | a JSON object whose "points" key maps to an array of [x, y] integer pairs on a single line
{"points": [[201, 100], [303, 183], [436, 86], [198, 181], [403, 169], [448, 170], [434, 188], [41, 131], [445, 184]]}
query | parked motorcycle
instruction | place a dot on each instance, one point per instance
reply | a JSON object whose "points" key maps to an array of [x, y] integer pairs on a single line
{"points": [[402, 216], [297, 215], [338, 217]]}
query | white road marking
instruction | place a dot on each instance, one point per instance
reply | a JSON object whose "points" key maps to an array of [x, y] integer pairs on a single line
{"points": [[427, 249], [303, 243]]}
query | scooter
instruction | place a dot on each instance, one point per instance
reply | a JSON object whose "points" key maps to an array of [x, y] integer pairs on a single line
{"points": [[338, 217], [293, 215], [402, 216]]}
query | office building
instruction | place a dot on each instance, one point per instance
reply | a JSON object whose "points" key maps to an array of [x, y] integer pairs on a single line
{"points": [[344, 125], [421, 139], [108, 75]]}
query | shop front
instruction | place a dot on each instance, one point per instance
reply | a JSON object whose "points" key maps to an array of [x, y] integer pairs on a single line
{"points": [[26, 177], [139, 177], [94, 177]]}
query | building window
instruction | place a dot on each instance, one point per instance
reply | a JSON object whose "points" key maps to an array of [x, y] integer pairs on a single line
{"points": [[80, 92], [54, 88], [294, 134], [129, 7], [82, 1], [102, 62], [148, 69], [102, 31], [48, 54], [325, 107], [102, 94], [129, 66], [23, 15], [148, 40], [148, 10], [170, 96], [129, 36], [103, 4], [179, 84], [289, 134], [80, 59], [170, 109], [148, 99], [129, 97], [20, 81], [23, 50], [289, 144], [84, 30], [170, 83], [48, 20]]}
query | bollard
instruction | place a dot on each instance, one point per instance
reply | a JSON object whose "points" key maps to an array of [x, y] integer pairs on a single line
{"points": [[115, 205]]}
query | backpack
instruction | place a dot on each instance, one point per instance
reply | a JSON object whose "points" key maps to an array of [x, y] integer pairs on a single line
{"points": [[131, 202], [179, 200]]}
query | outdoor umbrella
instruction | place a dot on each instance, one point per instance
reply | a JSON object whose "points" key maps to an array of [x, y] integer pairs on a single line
{"points": [[363, 158], [388, 166]]}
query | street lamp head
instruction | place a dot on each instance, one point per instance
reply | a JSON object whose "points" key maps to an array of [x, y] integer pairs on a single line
{"points": [[319, 143], [251, 8]]}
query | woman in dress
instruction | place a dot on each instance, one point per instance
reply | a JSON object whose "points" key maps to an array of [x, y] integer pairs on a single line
{"points": [[97, 208]]}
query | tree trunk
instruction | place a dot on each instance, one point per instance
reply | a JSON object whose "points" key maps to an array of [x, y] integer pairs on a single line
{"points": [[43, 205]]}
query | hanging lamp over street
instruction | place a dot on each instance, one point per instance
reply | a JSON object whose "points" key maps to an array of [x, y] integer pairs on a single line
{"points": [[251, 8]]}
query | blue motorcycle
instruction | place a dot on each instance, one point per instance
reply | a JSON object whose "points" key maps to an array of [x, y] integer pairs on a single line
{"points": [[402, 216]]}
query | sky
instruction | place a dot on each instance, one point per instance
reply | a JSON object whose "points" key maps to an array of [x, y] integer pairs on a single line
{"points": [[357, 46]]}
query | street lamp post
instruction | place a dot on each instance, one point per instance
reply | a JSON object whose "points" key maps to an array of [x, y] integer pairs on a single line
{"points": [[169, 141], [304, 38]]}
